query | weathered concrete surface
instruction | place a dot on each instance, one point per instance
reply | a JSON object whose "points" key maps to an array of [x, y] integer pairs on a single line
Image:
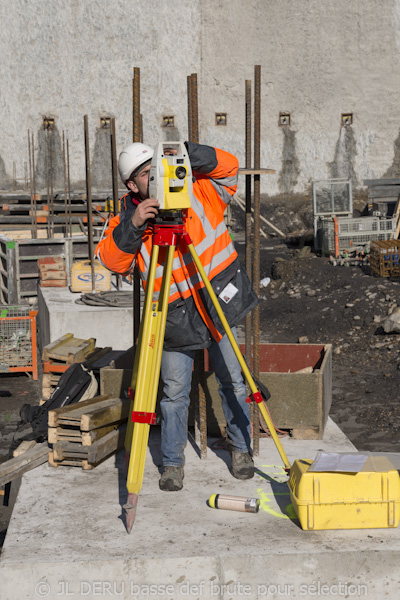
{"points": [[319, 59], [59, 314], [66, 537]]}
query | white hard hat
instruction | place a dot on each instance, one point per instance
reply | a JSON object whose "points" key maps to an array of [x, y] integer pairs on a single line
{"points": [[132, 157]]}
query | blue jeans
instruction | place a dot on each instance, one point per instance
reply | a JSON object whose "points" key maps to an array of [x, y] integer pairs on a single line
{"points": [[176, 372]]}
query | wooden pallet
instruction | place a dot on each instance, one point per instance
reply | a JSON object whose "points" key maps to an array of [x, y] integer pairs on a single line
{"points": [[68, 349], [90, 414], [73, 454]]}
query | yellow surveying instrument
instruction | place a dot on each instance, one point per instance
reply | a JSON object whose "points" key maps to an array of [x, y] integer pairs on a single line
{"points": [[170, 182]]}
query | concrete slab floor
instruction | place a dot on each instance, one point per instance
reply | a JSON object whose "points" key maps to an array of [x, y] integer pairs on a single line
{"points": [[66, 537]]}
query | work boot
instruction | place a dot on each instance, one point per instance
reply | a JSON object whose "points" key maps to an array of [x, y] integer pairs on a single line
{"points": [[172, 479], [242, 464]]}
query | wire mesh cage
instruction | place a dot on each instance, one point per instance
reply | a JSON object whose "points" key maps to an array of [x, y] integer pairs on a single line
{"points": [[18, 351], [344, 233], [332, 197]]}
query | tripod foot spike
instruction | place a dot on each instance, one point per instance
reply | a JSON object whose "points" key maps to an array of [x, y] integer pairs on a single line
{"points": [[130, 511]]}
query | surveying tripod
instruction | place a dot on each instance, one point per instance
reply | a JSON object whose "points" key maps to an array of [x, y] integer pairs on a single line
{"points": [[168, 231]]}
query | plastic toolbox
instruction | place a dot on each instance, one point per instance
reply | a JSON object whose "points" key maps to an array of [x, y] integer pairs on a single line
{"points": [[337, 500]]}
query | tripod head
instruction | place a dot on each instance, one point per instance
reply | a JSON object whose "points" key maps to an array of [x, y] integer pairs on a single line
{"points": [[170, 179]]}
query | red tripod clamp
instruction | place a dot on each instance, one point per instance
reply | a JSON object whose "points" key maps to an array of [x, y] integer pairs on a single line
{"points": [[254, 397]]}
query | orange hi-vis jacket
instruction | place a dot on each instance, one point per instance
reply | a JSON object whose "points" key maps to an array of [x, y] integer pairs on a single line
{"points": [[215, 173]]}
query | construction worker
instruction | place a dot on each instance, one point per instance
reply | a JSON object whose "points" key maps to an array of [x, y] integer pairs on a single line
{"points": [[192, 322]]}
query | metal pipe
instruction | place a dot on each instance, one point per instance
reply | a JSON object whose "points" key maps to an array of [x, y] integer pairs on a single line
{"points": [[89, 201]]}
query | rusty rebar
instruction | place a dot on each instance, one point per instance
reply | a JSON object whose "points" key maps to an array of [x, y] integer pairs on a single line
{"points": [[256, 234], [51, 184], [114, 166], [48, 182], [35, 230], [65, 182], [69, 194], [189, 104], [195, 109], [30, 182], [137, 137], [201, 408], [89, 201]]}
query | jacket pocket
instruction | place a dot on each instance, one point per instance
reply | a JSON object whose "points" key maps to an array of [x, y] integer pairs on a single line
{"points": [[185, 329], [237, 306]]}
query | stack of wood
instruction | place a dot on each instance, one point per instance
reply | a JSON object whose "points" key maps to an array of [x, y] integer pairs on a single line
{"points": [[86, 433], [52, 271], [60, 355]]}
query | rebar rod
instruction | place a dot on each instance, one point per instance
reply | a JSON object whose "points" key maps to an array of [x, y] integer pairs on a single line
{"points": [[137, 137], [48, 181], [65, 182], [254, 413], [195, 110], [30, 182], [89, 201], [69, 194], [256, 234], [189, 103], [51, 185], [35, 230], [114, 166]]}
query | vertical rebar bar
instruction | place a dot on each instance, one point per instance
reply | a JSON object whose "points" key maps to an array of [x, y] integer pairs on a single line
{"points": [[51, 183], [69, 194], [195, 110], [201, 408], [30, 182], [256, 234], [248, 258], [48, 182], [65, 184], [114, 168], [137, 137], [89, 201], [189, 98], [35, 231]]}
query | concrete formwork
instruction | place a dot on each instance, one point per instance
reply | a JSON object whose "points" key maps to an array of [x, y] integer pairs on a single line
{"points": [[319, 59]]}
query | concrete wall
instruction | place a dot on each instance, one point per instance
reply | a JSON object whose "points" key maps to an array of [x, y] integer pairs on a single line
{"points": [[319, 59]]}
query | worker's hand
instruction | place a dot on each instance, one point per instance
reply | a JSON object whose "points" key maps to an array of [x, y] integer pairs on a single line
{"points": [[147, 209]]}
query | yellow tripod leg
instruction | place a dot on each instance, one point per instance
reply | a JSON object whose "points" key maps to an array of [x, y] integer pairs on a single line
{"points": [[239, 355], [148, 375]]}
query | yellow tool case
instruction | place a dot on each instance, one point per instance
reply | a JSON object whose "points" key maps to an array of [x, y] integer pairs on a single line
{"points": [[338, 500]]}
